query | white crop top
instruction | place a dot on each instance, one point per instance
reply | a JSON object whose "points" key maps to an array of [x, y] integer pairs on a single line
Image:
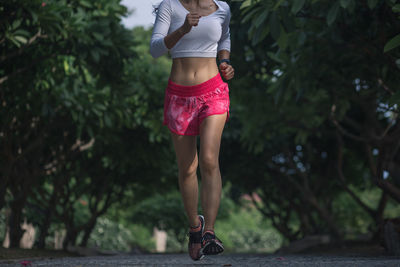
{"points": [[204, 40]]}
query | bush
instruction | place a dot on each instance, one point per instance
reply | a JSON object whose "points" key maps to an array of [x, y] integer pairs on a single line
{"points": [[109, 235], [246, 230]]}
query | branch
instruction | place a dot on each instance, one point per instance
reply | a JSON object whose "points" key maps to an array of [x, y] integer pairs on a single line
{"points": [[390, 188], [342, 130], [381, 83], [355, 125], [343, 180], [22, 48], [372, 165]]}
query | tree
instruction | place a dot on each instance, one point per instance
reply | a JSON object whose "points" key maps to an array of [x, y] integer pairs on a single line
{"points": [[314, 76], [69, 93]]}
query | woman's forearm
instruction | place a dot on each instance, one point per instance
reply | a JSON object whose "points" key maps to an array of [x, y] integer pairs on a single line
{"points": [[171, 39], [223, 54]]}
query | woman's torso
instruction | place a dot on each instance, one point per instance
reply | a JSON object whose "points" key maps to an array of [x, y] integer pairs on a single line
{"points": [[194, 70]]}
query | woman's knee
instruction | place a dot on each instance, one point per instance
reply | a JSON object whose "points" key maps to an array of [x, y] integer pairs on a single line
{"points": [[209, 163], [188, 169]]}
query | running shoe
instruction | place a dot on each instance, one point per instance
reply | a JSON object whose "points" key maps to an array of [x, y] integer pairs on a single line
{"points": [[210, 244], [195, 235]]}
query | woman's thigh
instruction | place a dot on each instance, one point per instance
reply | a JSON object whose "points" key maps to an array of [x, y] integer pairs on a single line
{"points": [[210, 138]]}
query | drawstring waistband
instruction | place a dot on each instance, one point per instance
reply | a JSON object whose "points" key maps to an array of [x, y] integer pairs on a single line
{"points": [[194, 90]]}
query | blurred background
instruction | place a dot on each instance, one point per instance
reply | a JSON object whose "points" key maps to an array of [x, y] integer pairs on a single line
{"points": [[310, 155]]}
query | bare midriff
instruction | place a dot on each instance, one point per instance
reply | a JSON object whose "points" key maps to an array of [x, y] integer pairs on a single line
{"points": [[190, 71]]}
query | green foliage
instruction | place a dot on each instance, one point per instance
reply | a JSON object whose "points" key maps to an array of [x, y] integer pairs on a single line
{"points": [[81, 104], [309, 71], [3, 225], [303, 110], [109, 235], [245, 230], [392, 43], [164, 212], [350, 216]]}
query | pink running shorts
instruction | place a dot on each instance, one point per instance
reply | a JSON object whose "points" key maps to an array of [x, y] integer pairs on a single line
{"points": [[185, 107]]}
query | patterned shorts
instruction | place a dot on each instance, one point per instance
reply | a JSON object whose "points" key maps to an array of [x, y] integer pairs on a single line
{"points": [[185, 107]]}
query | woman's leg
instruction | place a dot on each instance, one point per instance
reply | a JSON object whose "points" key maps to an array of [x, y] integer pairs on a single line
{"points": [[186, 155], [210, 139]]}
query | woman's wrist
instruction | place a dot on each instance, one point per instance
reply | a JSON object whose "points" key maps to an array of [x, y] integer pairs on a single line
{"points": [[224, 60]]}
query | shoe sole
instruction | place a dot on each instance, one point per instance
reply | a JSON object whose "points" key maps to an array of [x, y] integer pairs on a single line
{"points": [[212, 248], [202, 230]]}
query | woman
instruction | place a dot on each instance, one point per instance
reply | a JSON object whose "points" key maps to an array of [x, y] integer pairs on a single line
{"points": [[196, 103]]}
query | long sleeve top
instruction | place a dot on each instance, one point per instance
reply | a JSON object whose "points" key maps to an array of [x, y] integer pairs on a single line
{"points": [[204, 40]]}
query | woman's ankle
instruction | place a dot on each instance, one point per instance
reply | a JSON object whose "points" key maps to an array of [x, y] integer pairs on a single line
{"points": [[195, 225]]}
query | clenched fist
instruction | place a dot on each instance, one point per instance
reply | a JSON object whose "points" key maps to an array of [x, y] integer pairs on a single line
{"points": [[192, 19], [227, 70]]}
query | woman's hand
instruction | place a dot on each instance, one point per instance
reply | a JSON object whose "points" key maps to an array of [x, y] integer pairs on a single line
{"points": [[192, 19], [227, 70]]}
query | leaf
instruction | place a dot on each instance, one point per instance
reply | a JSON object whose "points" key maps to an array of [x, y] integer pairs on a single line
{"points": [[95, 55], [395, 98], [297, 5], [86, 3], [260, 34], [107, 120], [245, 4], [332, 14], [249, 15], [281, 90], [278, 3], [21, 39], [98, 36], [301, 38], [283, 39], [396, 8], [22, 32], [16, 24], [372, 3], [275, 57], [34, 16], [393, 43], [344, 3], [275, 26], [264, 32], [351, 7], [256, 36], [12, 39], [261, 18]]}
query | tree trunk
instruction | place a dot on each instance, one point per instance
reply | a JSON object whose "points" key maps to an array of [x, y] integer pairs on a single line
{"points": [[15, 221], [87, 231], [70, 238], [44, 227], [324, 215], [3, 188]]}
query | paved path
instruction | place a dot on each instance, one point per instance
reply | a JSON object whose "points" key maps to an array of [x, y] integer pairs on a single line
{"points": [[221, 261]]}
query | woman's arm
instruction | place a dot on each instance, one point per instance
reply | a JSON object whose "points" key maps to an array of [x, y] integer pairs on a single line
{"points": [[160, 42], [227, 70], [223, 54], [192, 19], [224, 43], [160, 29], [224, 47]]}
